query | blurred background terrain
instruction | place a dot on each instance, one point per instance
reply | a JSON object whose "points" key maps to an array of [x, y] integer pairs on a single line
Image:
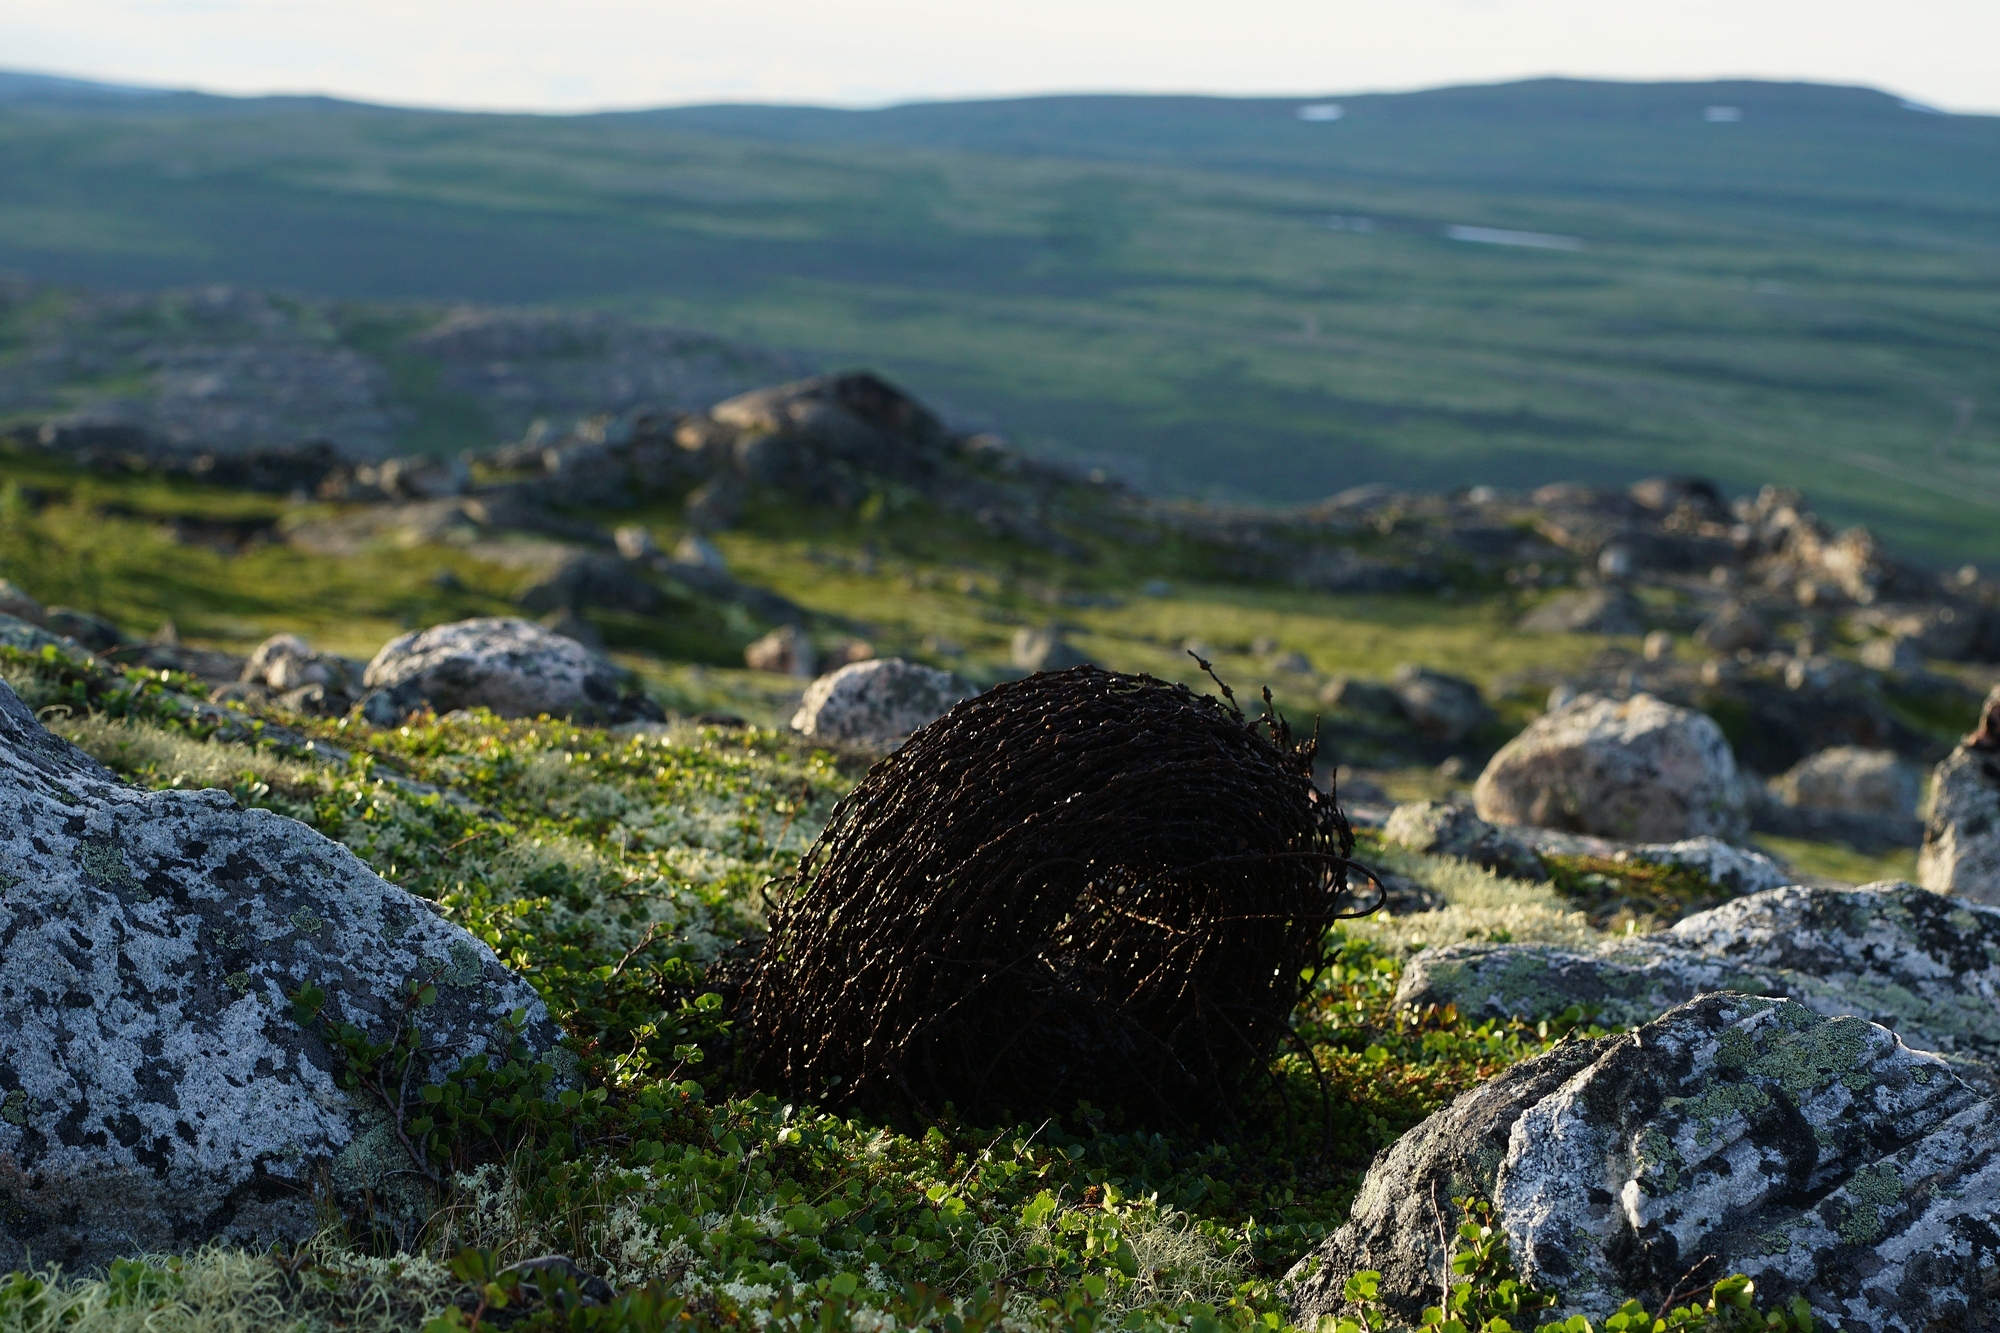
{"points": [[1500, 285]]}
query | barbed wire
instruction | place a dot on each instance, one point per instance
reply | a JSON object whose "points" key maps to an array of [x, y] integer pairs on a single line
{"points": [[1081, 885]]}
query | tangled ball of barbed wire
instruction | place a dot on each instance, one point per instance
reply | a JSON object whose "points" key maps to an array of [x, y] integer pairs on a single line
{"points": [[1083, 885]]}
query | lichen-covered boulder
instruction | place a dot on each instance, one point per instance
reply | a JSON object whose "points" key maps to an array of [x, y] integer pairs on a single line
{"points": [[1820, 1156], [1921, 963], [156, 1091], [875, 705], [1961, 852], [513, 667], [1440, 828], [1397, 1225], [1638, 769]]}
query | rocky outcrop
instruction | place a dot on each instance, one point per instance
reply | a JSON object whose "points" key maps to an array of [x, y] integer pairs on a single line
{"points": [[1440, 828], [1636, 769], [156, 1091], [1961, 851], [1820, 1156], [510, 666], [876, 705], [1923, 964]]}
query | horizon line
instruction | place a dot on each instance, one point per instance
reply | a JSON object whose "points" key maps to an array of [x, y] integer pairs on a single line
{"points": [[118, 89]]}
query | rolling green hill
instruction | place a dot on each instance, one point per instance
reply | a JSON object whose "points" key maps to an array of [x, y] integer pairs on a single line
{"points": [[1206, 295]]}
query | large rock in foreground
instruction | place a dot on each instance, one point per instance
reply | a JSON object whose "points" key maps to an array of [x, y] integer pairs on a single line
{"points": [[1820, 1156], [155, 1090], [876, 705], [1636, 769], [1961, 852], [1923, 964], [515, 668]]}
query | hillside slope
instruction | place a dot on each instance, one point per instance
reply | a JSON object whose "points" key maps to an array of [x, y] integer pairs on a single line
{"points": [[1202, 294]]}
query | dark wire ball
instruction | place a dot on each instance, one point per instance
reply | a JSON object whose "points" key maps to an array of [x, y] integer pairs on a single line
{"points": [[1082, 885]]}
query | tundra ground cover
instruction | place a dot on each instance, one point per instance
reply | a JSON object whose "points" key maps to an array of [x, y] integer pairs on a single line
{"points": [[610, 869]]}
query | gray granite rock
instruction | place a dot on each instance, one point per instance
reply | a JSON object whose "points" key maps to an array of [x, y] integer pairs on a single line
{"points": [[156, 1091], [1921, 963], [785, 651], [1854, 780], [1961, 851], [1444, 707], [1820, 1156], [1440, 828], [515, 668], [1044, 648], [1637, 769], [1727, 866], [1398, 1225], [875, 705]]}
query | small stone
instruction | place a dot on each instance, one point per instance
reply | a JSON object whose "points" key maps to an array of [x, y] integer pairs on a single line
{"points": [[1898, 655], [1044, 649], [698, 551], [1443, 707], [785, 651], [14, 602], [513, 667], [92, 631], [1366, 697], [286, 662], [570, 625], [1439, 828], [846, 652], [1659, 647], [876, 705], [1732, 628], [635, 542]]}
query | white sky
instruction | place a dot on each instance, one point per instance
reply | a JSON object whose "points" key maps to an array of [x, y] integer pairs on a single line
{"points": [[588, 54]]}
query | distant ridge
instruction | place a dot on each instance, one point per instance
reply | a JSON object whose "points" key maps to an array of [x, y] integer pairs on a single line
{"points": [[16, 86]]}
